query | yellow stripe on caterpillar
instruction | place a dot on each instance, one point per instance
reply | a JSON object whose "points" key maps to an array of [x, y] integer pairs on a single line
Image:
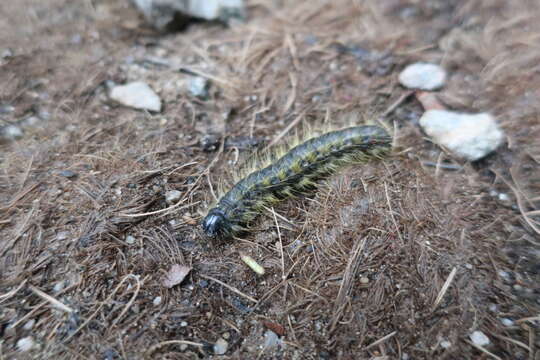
{"points": [[295, 173]]}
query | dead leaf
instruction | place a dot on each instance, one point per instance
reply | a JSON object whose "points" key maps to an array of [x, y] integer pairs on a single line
{"points": [[176, 275], [277, 328]]}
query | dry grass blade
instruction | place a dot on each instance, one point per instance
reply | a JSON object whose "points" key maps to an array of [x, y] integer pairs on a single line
{"points": [[9, 294], [347, 282], [288, 128], [233, 289], [153, 348], [280, 246], [445, 287], [520, 198], [95, 313], [381, 340], [484, 350], [57, 304]]}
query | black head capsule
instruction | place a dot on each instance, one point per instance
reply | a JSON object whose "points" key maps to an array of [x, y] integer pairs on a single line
{"points": [[215, 224]]}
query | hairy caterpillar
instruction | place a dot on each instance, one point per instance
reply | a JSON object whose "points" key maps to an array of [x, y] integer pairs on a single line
{"points": [[296, 173]]}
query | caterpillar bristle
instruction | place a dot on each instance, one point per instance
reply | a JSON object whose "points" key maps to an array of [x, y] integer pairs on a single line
{"points": [[291, 171]]}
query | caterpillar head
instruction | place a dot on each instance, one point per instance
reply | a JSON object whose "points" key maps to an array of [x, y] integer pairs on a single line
{"points": [[216, 224]]}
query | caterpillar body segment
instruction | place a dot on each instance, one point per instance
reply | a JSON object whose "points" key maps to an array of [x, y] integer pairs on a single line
{"points": [[296, 173]]}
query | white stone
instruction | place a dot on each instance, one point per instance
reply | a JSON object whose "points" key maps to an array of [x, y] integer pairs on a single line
{"points": [[445, 344], [172, 196], [507, 322], [29, 324], [162, 12], [470, 136], [11, 132], [479, 338], [423, 76], [198, 86], [137, 95], [213, 9], [25, 344], [157, 301], [59, 286], [271, 339], [220, 347], [130, 239]]}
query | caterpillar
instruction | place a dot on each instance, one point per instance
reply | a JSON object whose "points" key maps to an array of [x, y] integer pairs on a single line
{"points": [[296, 173]]}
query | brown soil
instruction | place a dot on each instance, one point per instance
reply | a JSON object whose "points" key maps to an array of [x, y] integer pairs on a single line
{"points": [[392, 260]]}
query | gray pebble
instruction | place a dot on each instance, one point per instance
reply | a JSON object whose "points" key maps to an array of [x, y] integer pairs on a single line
{"points": [[68, 174]]}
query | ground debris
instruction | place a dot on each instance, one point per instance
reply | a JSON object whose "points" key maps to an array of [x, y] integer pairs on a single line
{"points": [[175, 275]]}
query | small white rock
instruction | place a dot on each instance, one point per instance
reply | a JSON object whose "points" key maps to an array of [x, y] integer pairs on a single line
{"points": [[470, 136], [220, 347], [507, 322], [11, 132], [445, 344], [137, 95], [130, 239], [162, 12], [198, 86], [62, 235], [157, 301], [25, 344], [271, 339], [59, 286], [183, 324], [29, 324], [423, 76], [479, 338], [172, 196], [503, 197]]}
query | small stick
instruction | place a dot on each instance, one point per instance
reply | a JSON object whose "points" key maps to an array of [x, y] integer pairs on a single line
{"points": [[160, 211], [483, 350], [384, 338], [50, 299], [281, 246], [171, 342], [288, 128], [445, 287], [12, 292], [235, 290], [130, 302], [396, 103], [39, 306]]}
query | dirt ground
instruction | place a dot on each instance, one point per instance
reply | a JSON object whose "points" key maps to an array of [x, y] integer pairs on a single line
{"points": [[397, 259]]}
